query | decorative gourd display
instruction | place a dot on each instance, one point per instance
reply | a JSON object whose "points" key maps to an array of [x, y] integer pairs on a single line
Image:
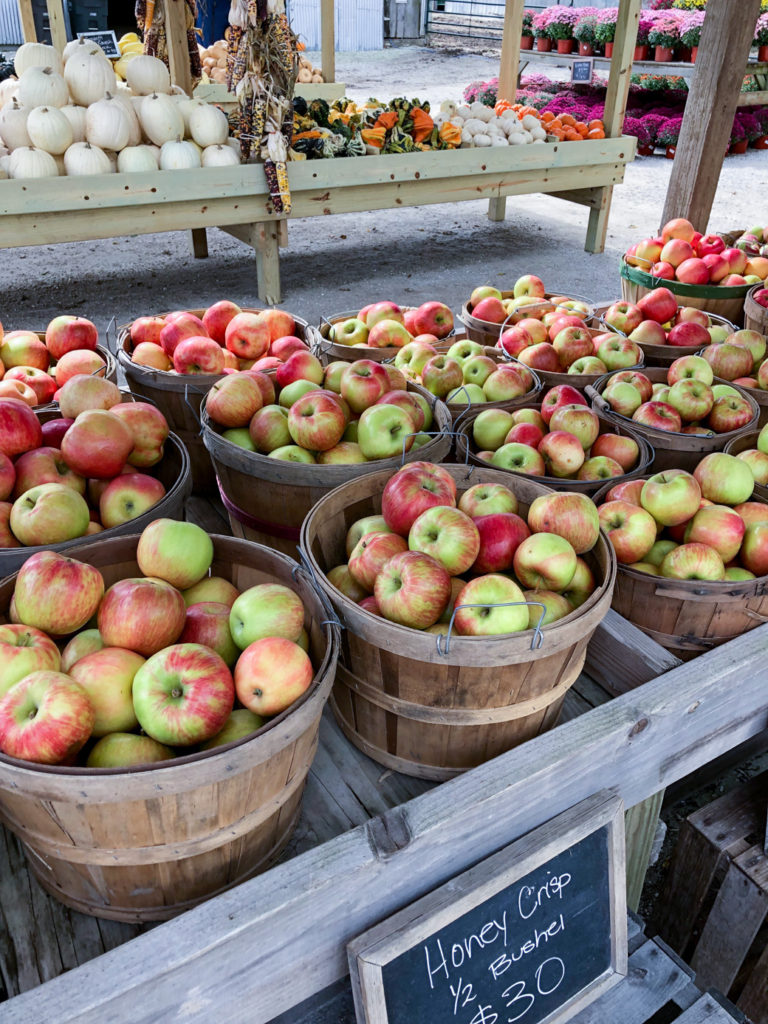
{"points": [[146, 75], [89, 78], [83, 158], [36, 55], [161, 119], [81, 46]]}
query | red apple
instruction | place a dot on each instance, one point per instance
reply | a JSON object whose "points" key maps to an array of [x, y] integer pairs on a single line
{"points": [[56, 594], [20, 429], [197, 355], [571, 515], [561, 394], [433, 318], [660, 416], [142, 615], [46, 717], [217, 317], [413, 489], [149, 354], [623, 450], [97, 444], [65, 333], [630, 529], [412, 589], [500, 535], [146, 329], [184, 325], [659, 305]]}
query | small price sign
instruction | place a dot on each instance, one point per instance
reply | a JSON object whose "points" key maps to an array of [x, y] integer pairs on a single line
{"points": [[107, 40], [581, 70], [533, 934]]}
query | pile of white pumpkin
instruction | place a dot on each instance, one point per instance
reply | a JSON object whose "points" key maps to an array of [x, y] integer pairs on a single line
{"points": [[481, 127], [69, 114]]}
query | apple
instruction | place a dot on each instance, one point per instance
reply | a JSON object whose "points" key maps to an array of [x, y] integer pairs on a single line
{"points": [[107, 677], [504, 384], [484, 291], [413, 489], [55, 594], [370, 554], [361, 527], [46, 717], [693, 562], [562, 453], [49, 514], [97, 444], [23, 348], [412, 357], [234, 401], [127, 497], [678, 228], [448, 535], [490, 605], [734, 281], [441, 374], [341, 578], [630, 529], [149, 354], [267, 609], [516, 338], [385, 431], [671, 497], [489, 310], [292, 453], [757, 462], [388, 334], [524, 433], [247, 335], [345, 453], [269, 428], [87, 641], [24, 649], [752, 340], [719, 527], [207, 623], [623, 316], [211, 588], [197, 355], [44, 466], [628, 490], [599, 467], [649, 333], [412, 589], [590, 365], [241, 723], [529, 285], [690, 335], [658, 415], [736, 260], [500, 534], [7, 477], [521, 458], [730, 412], [283, 348], [217, 317], [126, 749], [352, 331], [20, 390], [618, 353], [433, 318], [691, 398], [142, 615], [568, 514], [183, 325], [487, 499], [690, 368], [66, 333], [659, 305], [177, 552], [82, 393], [754, 548], [724, 479], [316, 421], [477, 369], [279, 322], [379, 311], [541, 357], [78, 361], [332, 376], [490, 428], [545, 561], [578, 420], [561, 394], [20, 429], [363, 383], [41, 383], [625, 451]]}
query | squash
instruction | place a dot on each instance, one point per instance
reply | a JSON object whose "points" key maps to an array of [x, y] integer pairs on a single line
{"points": [[107, 125], [89, 77], [83, 158], [135, 159], [148, 75], [13, 126], [208, 125], [42, 87], [161, 119], [36, 55], [81, 46], [76, 117], [28, 162], [219, 156], [179, 156], [49, 130]]}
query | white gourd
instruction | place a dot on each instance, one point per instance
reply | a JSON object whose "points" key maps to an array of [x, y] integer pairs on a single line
{"points": [[474, 125], [161, 119], [13, 125], [111, 156], [539, 134], [499, 140], [155, 150], [76, 117], [49, 129], [538, 142], [134, 138], [466, 137], [179, 156], [219, 156], [509, 115], [78, 47], [89, 77], [28, 162], [235, 144], [516, 139], [83, 158], [481, 139], [178, 93], [8, 90], [186, 106], [147, 75], [4, 151], [5, 165], [135, 159], [36, 55], [42, 87], [208, 126], [197, 148], [107, 125], [529, 122], [463, 110]]}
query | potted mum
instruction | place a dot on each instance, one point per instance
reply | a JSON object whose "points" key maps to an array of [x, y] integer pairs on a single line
{"points": [[644, 27], [605, 29], [668, 136], [664, 36], [526, 37], [761, 37], [584, 31], [540, 26], [761, 116], [562, 21], [690, 32], [739, 141]]}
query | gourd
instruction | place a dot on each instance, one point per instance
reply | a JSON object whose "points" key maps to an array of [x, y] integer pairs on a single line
{"points": [[208, 126], [481, 139], [36, 55], [219, 156], [235, 144], [42, 87], [81, 46], [123, 98], [13, 125], [186, 107], [135, 159], [89, 77], [161, 119], [83, 158], [107, 125], [147, 75], [49, 129], [178, 156], [28, 162], [8, 90], [76, 117]]}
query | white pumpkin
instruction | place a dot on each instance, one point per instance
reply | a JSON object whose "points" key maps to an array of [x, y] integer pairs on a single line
{"points": [[28, 162], [36, 55], [178, 156], [111, 155], [13, 125], [49, 129], [186, 106], [219, 156], [161, 119], [8, 90], [76, 117], [5, 165], [81, 46], [42, 87], [83, 158], [133, 118], [89, 77], [234, 144], [147, 75], [107, 125], [135, 159], [208, 126]]}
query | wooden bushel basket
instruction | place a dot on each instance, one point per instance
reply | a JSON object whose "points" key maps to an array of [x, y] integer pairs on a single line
{"points": [[672, 450], [328, 351], [726, 302], [755, 315], [146, 843], [173, 471], [268, 499], [665, 355], [689, 617], [461, 411], [179, 396], [487, 333], [435, 713], [741, 444]]}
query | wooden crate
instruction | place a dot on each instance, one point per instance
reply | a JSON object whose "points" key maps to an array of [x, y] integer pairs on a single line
{"points": [[714, 910]]}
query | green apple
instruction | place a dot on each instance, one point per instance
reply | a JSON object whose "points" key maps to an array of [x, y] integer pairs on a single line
{"points": [[718, 334], [291, 392], [179, 553], [349, 332], [467, 394], [762, 439], [240, 437], [659, 551], [491, 427], [723, 390], [124, 749], [426, 408], [268, 609], [240, 723], [292, 453], [350, 432], [384, 431], [484, 291], [420, 440], [85, 642], [464, 349]]}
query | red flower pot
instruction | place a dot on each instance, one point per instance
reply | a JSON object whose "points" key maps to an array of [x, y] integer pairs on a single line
{"points": [[694, 54], [609, 49], [684, 54], [662, 54], [543, 44], [645, 150], [669, 152], [739, 147], [526, 42], [761, 143], [586, 49], [762, 53], [641, 53], [564, 45]]}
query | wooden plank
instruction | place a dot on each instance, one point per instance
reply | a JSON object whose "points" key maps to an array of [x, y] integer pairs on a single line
{"points": [[198, 241], [27, 21], [497, 208], [57, 24], [510, 49], [726, 39], [267, 263], [328, 40], [641, 823], [753, 1000], [241, 949], [178, 47], [641, 657], [706, 1011]]}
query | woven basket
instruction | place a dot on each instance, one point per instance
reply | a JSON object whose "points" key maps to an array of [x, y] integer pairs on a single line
{"points": [[328, 351]]}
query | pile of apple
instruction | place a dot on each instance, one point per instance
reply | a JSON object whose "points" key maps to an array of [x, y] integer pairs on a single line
{"points": [[81, 472], [690, 526], [562, 440], [343, 413], [689, 403], [149, 668], [433, 557], [560, 343], [656, 319], [224, 340], [33, 370], [487, 303], [385, 325], [464, 374], [683, 254]]}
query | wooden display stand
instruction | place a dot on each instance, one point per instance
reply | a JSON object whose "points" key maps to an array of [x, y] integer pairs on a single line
{"points": [[237, 199]]}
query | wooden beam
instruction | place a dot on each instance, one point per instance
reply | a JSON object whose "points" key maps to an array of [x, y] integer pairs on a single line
{"points": [[241, 949], [178, 47], [27, 21], [726, 38], [57, 24], [328, 40], [510, 50]]}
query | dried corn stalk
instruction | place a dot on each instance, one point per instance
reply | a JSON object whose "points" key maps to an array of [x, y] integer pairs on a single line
{"points": [[150, 18]]}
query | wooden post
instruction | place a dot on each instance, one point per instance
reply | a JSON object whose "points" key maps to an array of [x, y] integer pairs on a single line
{"points": [[27, 21], [198, 240], [327, 40], [615, 109], [178, 48], [726, 39], [507, 90], [57, 24]]}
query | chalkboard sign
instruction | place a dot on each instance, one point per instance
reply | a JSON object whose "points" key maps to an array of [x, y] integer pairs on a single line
{"points": [[581, 70], [532, 934], [106, 40]]}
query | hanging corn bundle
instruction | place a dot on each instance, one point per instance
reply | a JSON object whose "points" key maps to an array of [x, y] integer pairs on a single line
{"points": [[262, 65], [150, 18]]}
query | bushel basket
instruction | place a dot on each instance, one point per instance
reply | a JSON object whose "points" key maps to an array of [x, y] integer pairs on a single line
{"points": [[727, 302]]}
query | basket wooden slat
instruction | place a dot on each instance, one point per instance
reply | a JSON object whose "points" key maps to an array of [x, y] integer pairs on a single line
{"points": [[665, 355], [741, 444], [146, 843], [432, 714], [488, 334]]}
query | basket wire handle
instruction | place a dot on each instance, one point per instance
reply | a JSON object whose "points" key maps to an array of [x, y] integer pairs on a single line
{"points": [[433, 433], [192, 409], [304, 566], [110, 347], [536, 640]]}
